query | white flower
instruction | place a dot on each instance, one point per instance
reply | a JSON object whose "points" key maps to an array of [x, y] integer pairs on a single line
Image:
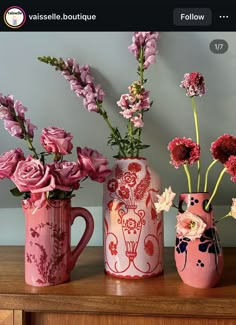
{"points": [[165, 200], [233, 209]]}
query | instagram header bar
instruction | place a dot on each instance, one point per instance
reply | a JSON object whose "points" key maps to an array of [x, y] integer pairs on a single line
{"points": [[119, 19]]}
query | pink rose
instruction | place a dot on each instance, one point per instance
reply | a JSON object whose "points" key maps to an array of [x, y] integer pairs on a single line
{"points": [[94, 163], [190, 225], [67, 175], [56, 140], [31, 176], [9, 161]]}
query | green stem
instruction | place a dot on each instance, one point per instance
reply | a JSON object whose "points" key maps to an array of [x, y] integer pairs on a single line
{"points": [[216, 188], [188, 178], [139, 137], [226, 216], [31, 147], [141, 73], [207, 172], [131, 137], [27, 138], [197, 141], [141, 67], [103, 113]]}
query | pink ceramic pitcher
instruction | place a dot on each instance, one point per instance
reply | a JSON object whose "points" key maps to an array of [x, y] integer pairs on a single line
{"points": [[48, 255]]}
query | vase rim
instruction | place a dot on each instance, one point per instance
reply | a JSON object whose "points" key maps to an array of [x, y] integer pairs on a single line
{"points": [[126, 158], [200, 192], [30, 198]]}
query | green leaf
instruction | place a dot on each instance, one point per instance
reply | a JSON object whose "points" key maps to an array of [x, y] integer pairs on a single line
{"points": [[15, 191], [144, 146]]}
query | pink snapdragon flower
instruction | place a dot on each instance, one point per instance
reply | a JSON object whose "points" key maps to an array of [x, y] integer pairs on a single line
{"points": [[89, 100], [183, 151], [165, 200], [30, 128], [146, 41], [135, 103], [9, 161], [93, 163], [14, 128], [85, 75], [190, 225], [56, 140], [67, 175], [13, 114], [127, 113], [31, 175], [224, 147], [137, 121], [230, 166], [124, 101], [194, 84], [5, 114], [81, 82], [20, 109], [7, 101]]}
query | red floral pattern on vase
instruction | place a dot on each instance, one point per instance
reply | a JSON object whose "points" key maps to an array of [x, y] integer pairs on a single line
{"points": [[49, 259], [133, 231], [113, 248], [47, 266], [149, 248]]}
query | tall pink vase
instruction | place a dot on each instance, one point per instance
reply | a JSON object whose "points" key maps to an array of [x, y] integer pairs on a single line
{"points": [[49, 258], [199, 262], [133, 231]]}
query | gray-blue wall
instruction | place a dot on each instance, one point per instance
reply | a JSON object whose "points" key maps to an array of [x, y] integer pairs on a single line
{"points": [[50, 102]]}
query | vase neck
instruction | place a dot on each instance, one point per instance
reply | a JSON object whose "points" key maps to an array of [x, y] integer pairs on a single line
{"points": [[190, 197], [133, 164], [196, 203]]}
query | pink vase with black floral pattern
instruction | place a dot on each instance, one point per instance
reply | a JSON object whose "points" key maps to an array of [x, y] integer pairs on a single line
{"points": [[49, 258], [133, 231], [200, 261]]}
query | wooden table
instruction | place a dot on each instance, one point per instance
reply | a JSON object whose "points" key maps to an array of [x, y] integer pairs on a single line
{"points": [[93, 297]]}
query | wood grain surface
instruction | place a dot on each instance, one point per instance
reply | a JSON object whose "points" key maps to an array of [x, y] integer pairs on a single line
{"points": [[91, 291]]}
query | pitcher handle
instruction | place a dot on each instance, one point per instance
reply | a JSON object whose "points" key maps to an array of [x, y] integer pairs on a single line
{"points": [[89, 227]]}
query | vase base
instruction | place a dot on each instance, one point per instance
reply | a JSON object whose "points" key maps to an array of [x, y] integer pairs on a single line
{"points": [[47, 284], [205, 285], [136, 277]]}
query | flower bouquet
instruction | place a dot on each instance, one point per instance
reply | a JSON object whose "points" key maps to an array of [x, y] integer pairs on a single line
{"points": [[132, 230], [133, 104], [47, 188], [57, 179], [185, 152], [198, 253]]}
